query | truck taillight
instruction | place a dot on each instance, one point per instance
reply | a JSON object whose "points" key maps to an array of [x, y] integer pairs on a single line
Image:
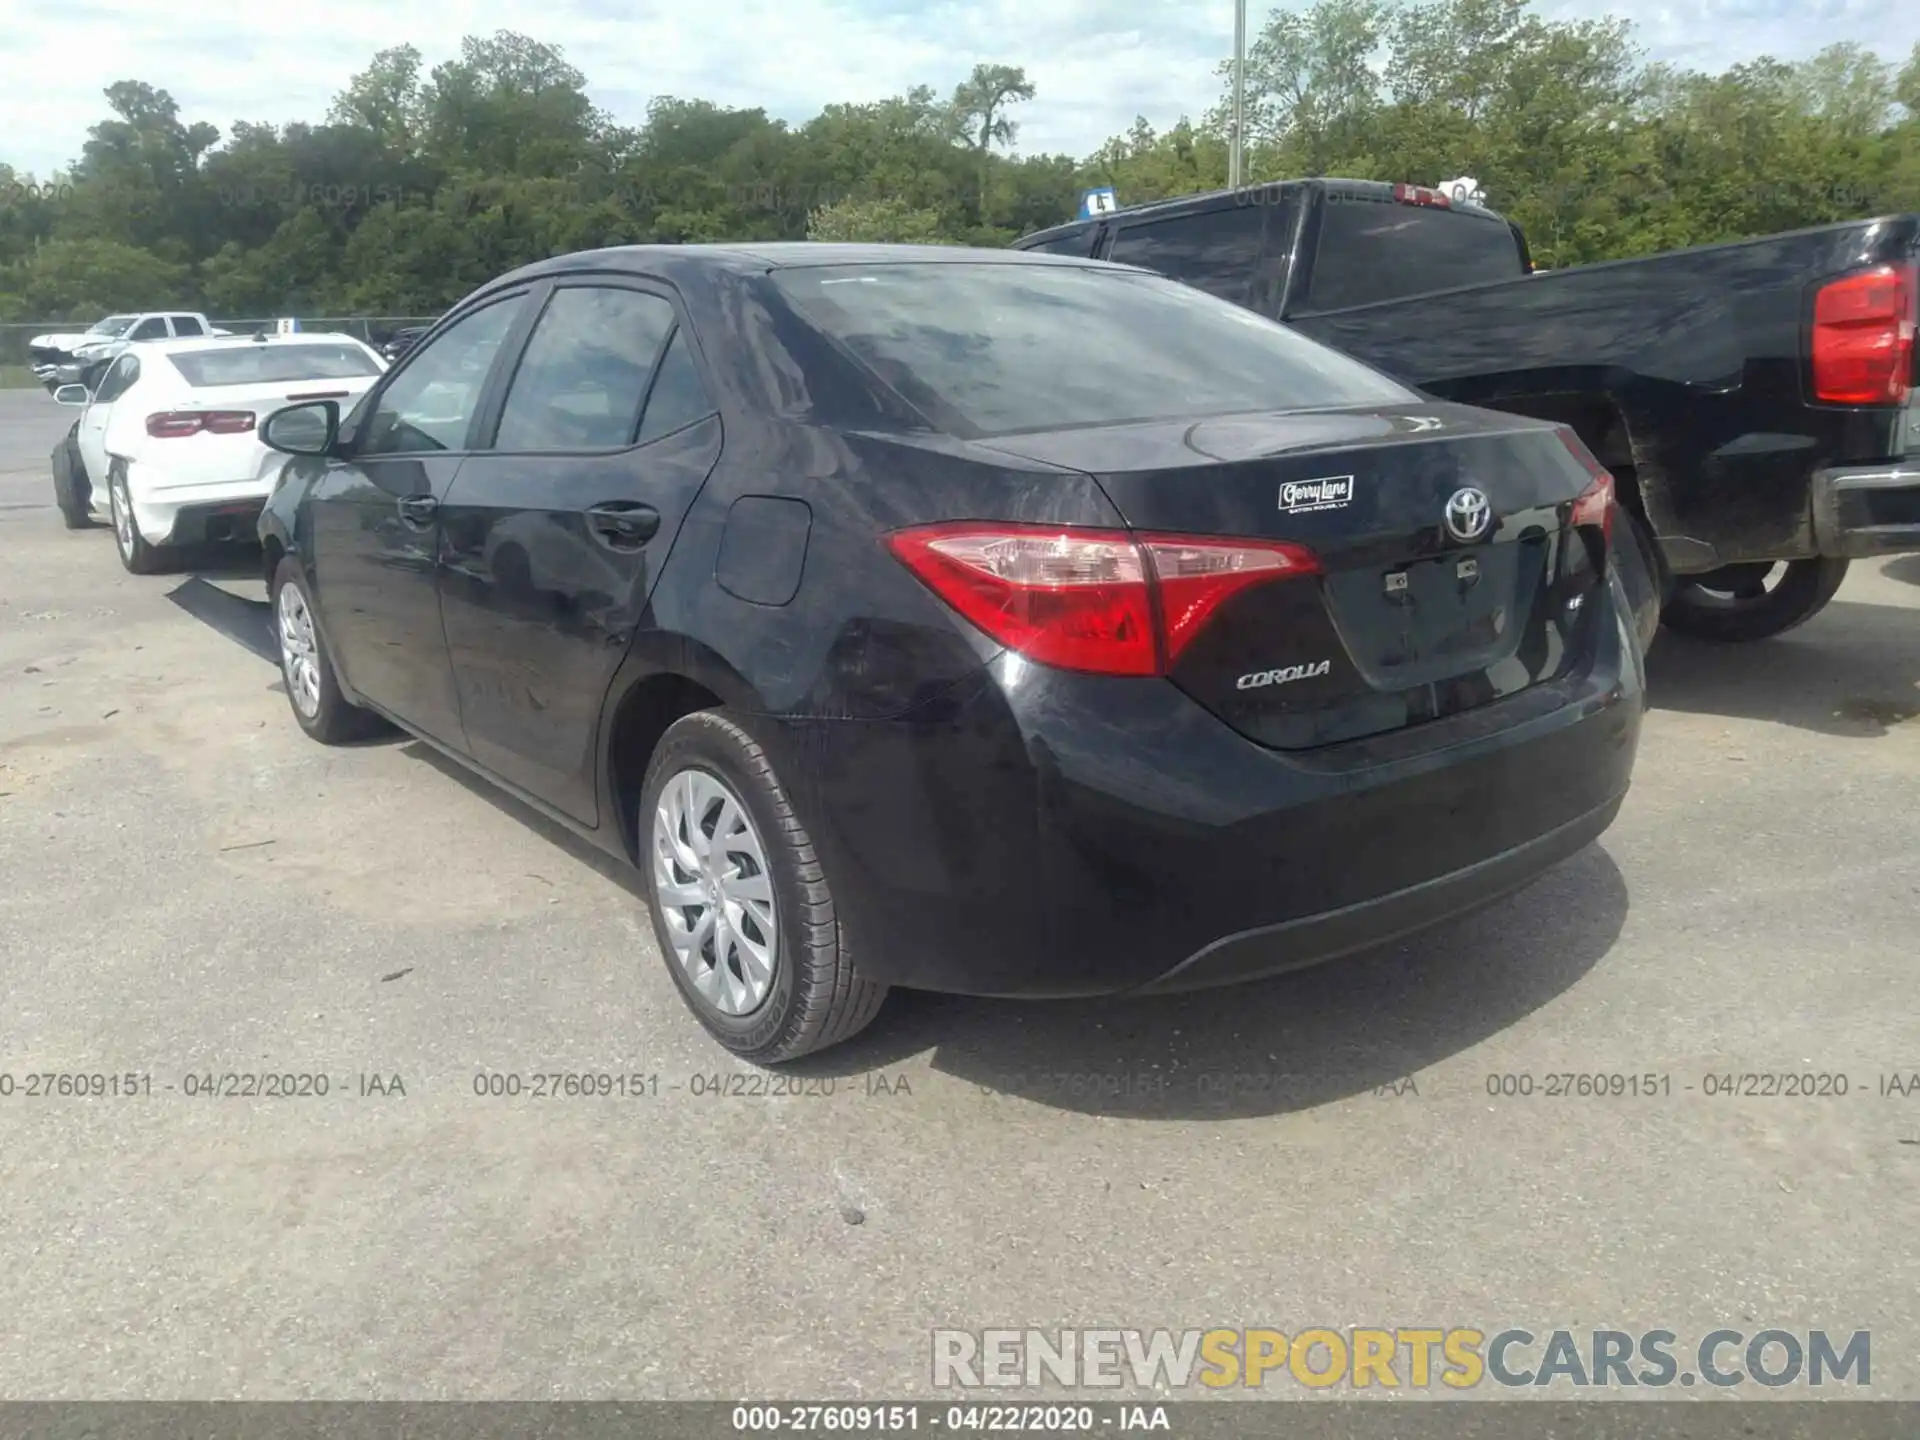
{"points": [[1422, 195], [1103, 601], [1863, 328], [177, 424]]}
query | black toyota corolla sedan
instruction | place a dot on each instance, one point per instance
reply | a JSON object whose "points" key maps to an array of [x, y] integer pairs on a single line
{"points": [[967, 620]]}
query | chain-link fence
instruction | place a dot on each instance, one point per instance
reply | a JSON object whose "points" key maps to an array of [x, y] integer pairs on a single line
{"points": [[372, 328]]}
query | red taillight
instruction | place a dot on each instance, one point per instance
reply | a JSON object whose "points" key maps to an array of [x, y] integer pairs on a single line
{"points": [[176, 424], [1863, 329], [1594, 505], [1088, 599], [1422, 195]]}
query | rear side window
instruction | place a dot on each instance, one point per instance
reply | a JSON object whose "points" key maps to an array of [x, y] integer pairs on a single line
{"points": [[585, 371], [272, 364], [1078, 244], [188, 325], [992, 349], [1217, 251], [1372, 250], [679, 397]]}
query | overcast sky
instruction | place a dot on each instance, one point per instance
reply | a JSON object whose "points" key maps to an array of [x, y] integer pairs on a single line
{"points": [[1097, 63]]}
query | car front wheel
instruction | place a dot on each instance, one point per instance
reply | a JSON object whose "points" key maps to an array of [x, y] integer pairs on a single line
{"points": [[312, 689], [742, 908]]}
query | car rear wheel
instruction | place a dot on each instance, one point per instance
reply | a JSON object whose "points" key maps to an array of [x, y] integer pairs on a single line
{"points": [[312, 689], [742, 908], [136, 554], [1738, 603]]}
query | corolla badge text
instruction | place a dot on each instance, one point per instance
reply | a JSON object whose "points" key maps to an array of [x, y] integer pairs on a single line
{"points": [[1283, 676]]}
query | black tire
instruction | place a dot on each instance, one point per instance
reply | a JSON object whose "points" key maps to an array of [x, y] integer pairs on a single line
{"points": [[333, 721], [815, 997], [71, 492], [1704, 607], [136, 554]]}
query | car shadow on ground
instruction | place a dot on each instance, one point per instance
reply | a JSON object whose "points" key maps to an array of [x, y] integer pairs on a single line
{"points": [[248, 623], [1854, 672], [1289, 1043], [620, 873], [1355, 1026], [1906, 568]]}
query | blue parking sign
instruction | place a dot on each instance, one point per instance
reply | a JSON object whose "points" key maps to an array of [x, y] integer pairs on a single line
{"points": [[1098, 202]]}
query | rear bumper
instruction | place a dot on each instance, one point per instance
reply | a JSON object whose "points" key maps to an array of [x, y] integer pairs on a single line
{"points": [[1040, 834], [1312, 939], [192, 514], [1865, 510]]}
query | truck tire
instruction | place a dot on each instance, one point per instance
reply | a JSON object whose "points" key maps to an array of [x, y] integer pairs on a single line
{"points": [[1736, 604], [70, 489]]}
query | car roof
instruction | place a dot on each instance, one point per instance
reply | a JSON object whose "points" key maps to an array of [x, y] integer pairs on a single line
{"points": [[758, 257], [187, 344]]}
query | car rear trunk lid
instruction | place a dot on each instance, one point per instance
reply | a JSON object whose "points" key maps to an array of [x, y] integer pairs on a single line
{"points": [[1451, 574]]}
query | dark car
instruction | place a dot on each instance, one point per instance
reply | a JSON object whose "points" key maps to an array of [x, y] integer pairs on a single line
{"points": [[964, 620], [1754, 400], [401, 341]]}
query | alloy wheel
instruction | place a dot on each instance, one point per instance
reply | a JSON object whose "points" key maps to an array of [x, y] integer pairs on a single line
{"points": [[299, 652], [122, 506], [715, 891]]}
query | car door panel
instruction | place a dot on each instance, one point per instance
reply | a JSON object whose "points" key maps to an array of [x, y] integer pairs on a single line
{"points": [[549, 555], [94, 420], [374, 522], [541, 605]]}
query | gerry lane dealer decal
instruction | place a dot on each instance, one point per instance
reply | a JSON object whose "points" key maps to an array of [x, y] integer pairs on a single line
{"points": [[1329, 492]]}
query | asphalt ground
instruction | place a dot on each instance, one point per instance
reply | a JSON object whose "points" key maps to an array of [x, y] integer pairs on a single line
{"points": [[190, 889]]}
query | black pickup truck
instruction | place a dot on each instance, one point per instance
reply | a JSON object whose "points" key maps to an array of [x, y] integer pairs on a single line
{"points": [[1755, 400]]}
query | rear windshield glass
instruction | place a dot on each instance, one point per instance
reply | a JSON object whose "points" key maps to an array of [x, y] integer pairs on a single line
{"points": [[991, 349], [1381, 250], [273, 364]]}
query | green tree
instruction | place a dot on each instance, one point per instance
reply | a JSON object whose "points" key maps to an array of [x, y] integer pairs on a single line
{"points": [[888, 221]]}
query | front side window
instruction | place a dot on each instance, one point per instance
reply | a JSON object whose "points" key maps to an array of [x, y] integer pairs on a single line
{"points": [[996, 348], [431, 403], [585, 371], [152, 328], [118, 380]]}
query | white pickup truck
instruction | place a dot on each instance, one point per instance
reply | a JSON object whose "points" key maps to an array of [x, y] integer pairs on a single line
{"points": [[65, 359]]}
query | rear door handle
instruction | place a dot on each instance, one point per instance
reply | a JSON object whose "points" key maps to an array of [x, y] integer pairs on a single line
{"points": [[624, 524], [418, 510]]}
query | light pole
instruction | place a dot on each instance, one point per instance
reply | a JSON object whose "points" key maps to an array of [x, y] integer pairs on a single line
{"points": [[1236, 140]]}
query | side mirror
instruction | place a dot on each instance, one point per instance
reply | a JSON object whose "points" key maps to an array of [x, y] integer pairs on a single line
{"points": [[72, 395], [306, 429]]}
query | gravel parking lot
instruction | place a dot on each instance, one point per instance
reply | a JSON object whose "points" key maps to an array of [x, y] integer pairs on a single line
{"points": [[190, 888]]}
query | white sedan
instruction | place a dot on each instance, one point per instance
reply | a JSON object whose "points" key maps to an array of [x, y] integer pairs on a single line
{"points": [[167, 447]]}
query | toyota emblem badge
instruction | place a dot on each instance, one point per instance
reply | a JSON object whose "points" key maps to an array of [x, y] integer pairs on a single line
{"points": [[1469, 514]]}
